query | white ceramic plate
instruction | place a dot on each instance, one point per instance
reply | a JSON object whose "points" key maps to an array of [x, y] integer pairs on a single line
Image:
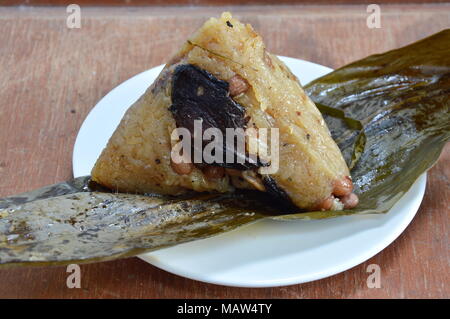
{"points": [[267, 253]]}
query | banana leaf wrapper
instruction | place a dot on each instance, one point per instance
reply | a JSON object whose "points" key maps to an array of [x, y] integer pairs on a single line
{"points": [[389, 114]]}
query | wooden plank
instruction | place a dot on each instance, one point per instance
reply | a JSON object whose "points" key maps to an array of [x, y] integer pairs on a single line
{"points": [[52, 76], [198, 2]]}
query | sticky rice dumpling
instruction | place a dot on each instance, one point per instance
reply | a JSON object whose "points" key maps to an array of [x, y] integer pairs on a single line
{"points": [[223, 78]]}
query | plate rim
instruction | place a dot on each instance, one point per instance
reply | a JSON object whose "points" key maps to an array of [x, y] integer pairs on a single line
{"points": [[420, 183]]}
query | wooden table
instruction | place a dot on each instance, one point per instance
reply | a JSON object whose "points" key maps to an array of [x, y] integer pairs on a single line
{"points": [[51, 76]]}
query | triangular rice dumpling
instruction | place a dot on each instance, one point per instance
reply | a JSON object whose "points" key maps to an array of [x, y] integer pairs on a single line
{"points": [[223, 78]]}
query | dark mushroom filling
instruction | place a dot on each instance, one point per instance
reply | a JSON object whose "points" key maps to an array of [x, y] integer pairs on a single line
{"points": [[277, 193], [199, 95]]}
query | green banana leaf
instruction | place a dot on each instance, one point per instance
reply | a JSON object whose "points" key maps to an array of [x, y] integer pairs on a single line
{"points": [[389, 114]]}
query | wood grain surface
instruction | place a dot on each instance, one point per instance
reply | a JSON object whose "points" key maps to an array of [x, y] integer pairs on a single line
{"points": [[51, 76], [197, 2]]}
